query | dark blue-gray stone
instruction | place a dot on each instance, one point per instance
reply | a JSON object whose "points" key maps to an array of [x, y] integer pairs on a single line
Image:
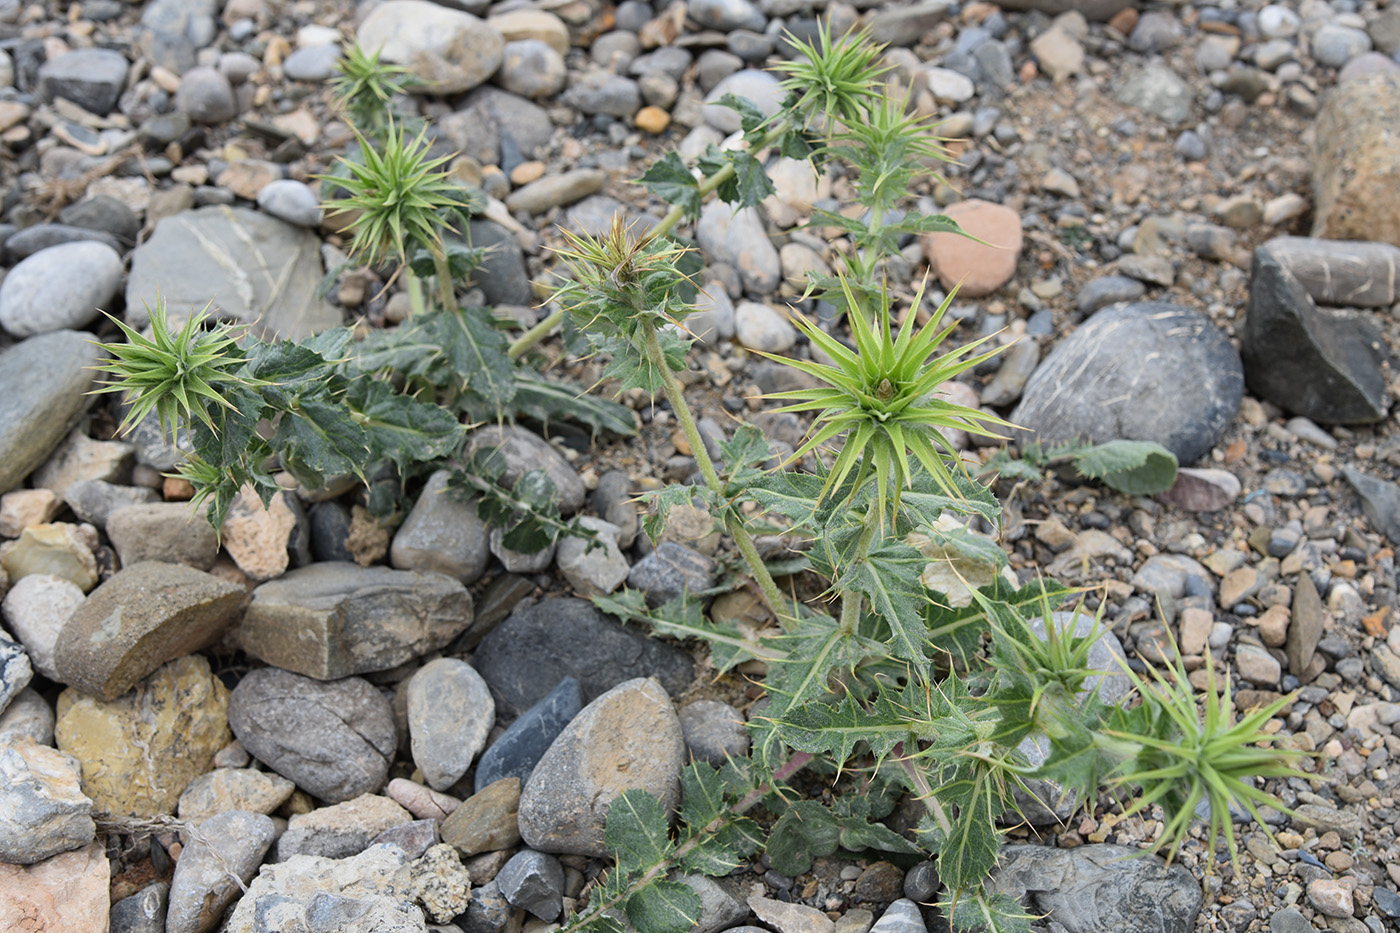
{"points": [[520, 747], [542, 644], [1323, 365], [1109, 289], [670, 571], [142, 912], [535, 881]]}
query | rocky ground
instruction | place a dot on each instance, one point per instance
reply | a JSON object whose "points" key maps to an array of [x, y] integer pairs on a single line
{"points": [[1177, 192]]}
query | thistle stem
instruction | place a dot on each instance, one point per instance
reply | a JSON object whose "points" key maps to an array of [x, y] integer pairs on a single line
{"points": [[674, 394], [443, 273]]}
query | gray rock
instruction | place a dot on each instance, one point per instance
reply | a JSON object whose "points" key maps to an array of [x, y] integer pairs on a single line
{"points": [[727, 15], [502, 276], [1109, 289], [556, 190], [764, 90], [1096, 10], [537, 647], [523, 451], [489, 911], [342, 830], [207, 96], [1017, 365], [533, 881], [331, 620], [1158, 91], [94, 500], [414, 838], [1156, 31], [532, 68], [520, 561], [173, 532], [712, 319], [714, 732], [902, 916], [738, 239], [596, 566], [627, 738], [143, 616], [142, 912], [671, 571], [904, 26], [333, 740], [291, 200], [605, 93], [255, 270], [760, 327], [1385, 31], [1326, 366], [41, 237], [222, 855], [43, 810], [59, 288], [91, 78], [15, 670], [1356, 164], [442, 534], [44, 383], [106, 214], [1341, 272], [1154, 270], [449, 51], [28, 716], [494, 121], [313, 63], [1334, 45], [1380, 501], [1099, 887], [226, 789], [36, 609], [1149, 371], [520, 747], [1290, 920], [450, 714]]}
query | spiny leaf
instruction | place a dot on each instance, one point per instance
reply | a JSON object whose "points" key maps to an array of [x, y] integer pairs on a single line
{"points": [[807, 831], [664, 907], [670, 180], [749, 184], [1138, 468], [402, 428], [545, 401], [890, 577], [476, 351], [636, 831]]}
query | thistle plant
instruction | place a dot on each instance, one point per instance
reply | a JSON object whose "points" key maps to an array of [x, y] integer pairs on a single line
{"points": [[364, 88], [886, 682]]}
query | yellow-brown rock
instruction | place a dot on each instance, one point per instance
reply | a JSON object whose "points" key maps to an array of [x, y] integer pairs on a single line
{"points": [[140, 750], [1356, 163]]}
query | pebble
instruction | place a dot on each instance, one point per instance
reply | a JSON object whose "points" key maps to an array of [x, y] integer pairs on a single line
{"points": [[596, 567], [92, 78], [225, 789], [292, 201], [36, 609], [1332, 896], [331, 620], [140, 751], [168, 532], [1158, 91], [58, 549], [314, 63], [449, 51], [627, 738], [760, 327], [220, 858], [714, 732], [207, 96], [533, 881], [1355, 162], [1334, 45], [522, 451], [43, 386], [341, 830], [143, 616], [556, 190], [450, 714], [603, 93], [265, 539], [738, 239], [442, 533], [63, 893], [585, 644], [27, 716], [981, 269], [761, 88], [487, 821], [59, 288], [521, 746], [43, 810], [532, 68], [142, 912], [333, 740]]}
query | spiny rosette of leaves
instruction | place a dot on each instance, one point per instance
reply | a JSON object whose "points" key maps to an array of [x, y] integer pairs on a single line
{"points": [[881, 398], [832, 78], [400, 197], [364, 87], [177, 374], [1174, 753], [625, 289]]}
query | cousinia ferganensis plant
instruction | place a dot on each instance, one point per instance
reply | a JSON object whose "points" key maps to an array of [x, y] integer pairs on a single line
{"points": [[896, 679]]}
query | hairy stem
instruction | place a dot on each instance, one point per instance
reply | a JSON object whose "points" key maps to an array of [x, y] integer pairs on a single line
{"points": [[672, 387], [443, 273]]}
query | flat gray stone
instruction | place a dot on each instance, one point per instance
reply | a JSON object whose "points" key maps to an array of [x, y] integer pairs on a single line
{"points": [[254, 268], [442, 533], [523, 450], [222, 855], [1352, 273], [44, 383], [1151, 371], [1158, 91], [91, 78], [449, 51], [331, 620], [43, 810]]}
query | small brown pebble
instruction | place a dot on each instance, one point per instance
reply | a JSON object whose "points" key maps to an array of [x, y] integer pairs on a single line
{"points": [[652, 120]]}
